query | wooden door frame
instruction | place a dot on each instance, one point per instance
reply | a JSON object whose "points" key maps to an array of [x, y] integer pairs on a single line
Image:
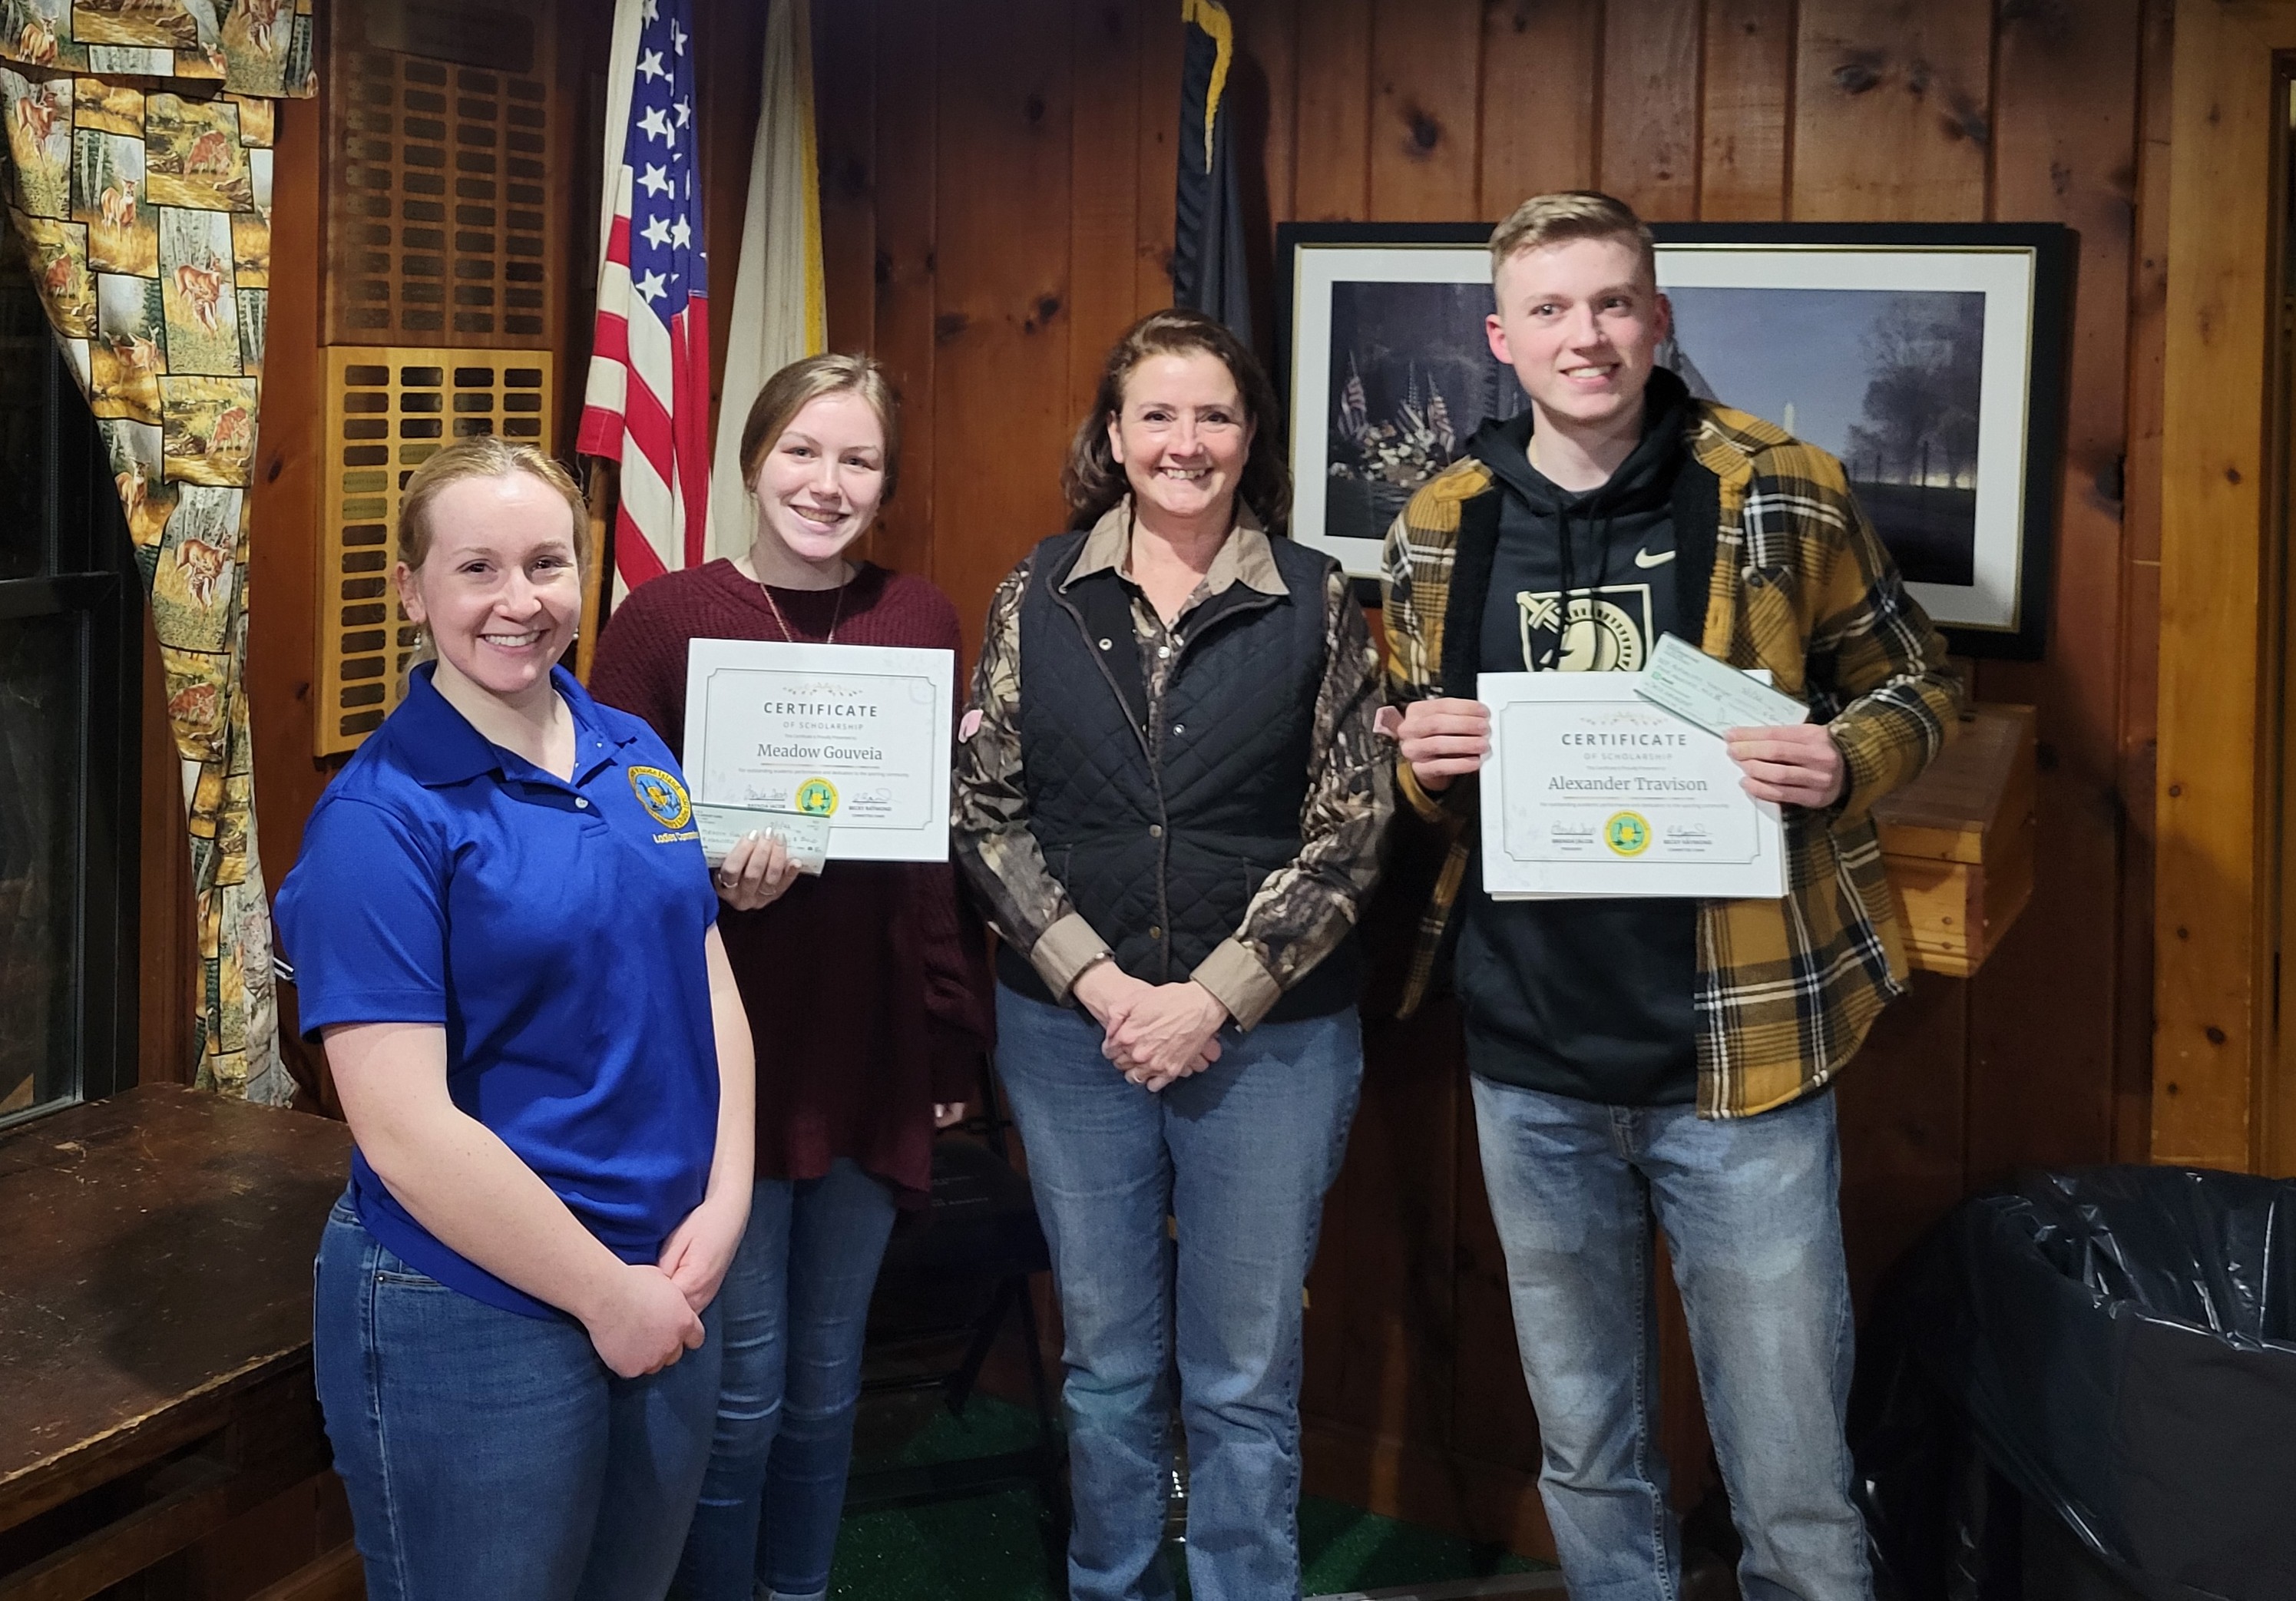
{"points": [[2216, 902]]}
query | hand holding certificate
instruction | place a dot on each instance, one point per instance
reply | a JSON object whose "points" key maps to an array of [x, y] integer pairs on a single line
{"points": [[856, 736], [1592, 791]]}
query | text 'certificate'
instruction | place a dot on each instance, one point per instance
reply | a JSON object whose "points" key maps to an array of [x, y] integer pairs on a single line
{"points": [[859, 735], [1590, 790]]}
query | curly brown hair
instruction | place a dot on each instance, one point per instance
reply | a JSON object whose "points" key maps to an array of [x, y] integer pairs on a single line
{"points": [[1093, 480]]}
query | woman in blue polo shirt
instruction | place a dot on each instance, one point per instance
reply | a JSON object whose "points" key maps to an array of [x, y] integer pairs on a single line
{"points": [[503, 930]]}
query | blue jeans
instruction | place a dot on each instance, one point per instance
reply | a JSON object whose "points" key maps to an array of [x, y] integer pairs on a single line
{"points": [[1239, 1156], [796, 1303], [1749, 1206], [491, 1454]]}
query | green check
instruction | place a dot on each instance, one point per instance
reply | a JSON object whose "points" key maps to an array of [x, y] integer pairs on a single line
{"points": [[1712, 694], [722, 827]]}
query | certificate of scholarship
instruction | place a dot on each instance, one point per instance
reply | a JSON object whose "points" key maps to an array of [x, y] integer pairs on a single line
{"points": [[1592, 791], [858, 735]]}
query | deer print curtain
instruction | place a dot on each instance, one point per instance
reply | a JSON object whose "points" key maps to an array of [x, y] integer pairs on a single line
{"points": [[138, 187]]}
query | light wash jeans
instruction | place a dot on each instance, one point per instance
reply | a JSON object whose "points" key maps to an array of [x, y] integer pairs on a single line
{"points": [[1239, 1156], [795, 1304], [1749, 1206], [487, 1453]]}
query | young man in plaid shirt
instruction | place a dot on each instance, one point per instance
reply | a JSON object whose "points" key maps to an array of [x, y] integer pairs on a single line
{"points": [[1669, 1058]]}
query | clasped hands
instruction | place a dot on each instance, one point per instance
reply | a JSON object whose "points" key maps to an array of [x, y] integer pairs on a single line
{"points": [[647, 1315], [1795, 765], [1157, 1034]]}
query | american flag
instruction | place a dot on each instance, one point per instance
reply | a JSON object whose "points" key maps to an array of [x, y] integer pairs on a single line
{"points": [[647, 403], [1355, 406]]}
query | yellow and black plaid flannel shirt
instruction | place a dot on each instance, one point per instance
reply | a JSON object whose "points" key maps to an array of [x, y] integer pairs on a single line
{"points": [[1802, 586]]}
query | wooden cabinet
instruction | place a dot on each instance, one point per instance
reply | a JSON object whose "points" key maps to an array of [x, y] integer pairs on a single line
{"points": [[1959, 839]]}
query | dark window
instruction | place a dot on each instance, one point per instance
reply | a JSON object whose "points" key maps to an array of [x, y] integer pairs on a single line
{"points": [[70, 684]]}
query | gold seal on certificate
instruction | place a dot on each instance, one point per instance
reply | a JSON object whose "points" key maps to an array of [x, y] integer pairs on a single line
{"points": [[1591, 791], [856, 736]]}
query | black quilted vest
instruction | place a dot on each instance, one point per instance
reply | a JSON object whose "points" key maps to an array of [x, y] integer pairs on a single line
{"points": [[1162, 833]]}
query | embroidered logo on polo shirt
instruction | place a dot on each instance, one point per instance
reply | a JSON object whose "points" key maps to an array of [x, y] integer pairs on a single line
{"points": [[662, 796]]}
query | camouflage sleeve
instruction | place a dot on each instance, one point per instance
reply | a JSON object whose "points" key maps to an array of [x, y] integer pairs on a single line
{"points": [[988, 812], [1303, 908]]}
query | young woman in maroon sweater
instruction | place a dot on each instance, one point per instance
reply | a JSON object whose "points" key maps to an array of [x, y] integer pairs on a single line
{"points": [[865, 992]]}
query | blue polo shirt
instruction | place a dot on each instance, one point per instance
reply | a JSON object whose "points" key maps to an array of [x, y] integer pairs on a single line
{"points": [[555, 928]]}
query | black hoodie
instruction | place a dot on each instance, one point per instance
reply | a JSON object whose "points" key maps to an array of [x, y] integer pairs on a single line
{"points": [[1585, 998]]}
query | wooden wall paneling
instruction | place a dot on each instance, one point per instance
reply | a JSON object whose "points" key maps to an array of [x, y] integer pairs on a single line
{"points": [[908, 165], [1892, 110], [1652, 52], [1902, 1107], [1541, 106], [1112, 181], [585, 40], [1000, 382], [2140, 605], [1163, 54], [283, 508], [1424, 89], [729, 79], [1747, 102], [2064, 130], [166, 938], [1333, 180], [1491, 1415], [2210, 939], [1395, 1377], [283, 575], [1266, 88], [1889, 121], [845, 120]]}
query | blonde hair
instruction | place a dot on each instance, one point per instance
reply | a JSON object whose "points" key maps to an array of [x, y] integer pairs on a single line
{"points": [[483, 455], [1568, 214], [800, 384]]}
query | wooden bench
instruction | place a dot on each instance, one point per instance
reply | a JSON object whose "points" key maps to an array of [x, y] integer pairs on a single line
{"points": [[155, 1336]]}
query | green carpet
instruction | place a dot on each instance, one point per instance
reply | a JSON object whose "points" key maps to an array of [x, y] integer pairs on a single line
{"points": [[991, 1548]]}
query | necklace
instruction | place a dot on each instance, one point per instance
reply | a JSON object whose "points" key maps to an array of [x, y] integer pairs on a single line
{"points": [[835, 617]]}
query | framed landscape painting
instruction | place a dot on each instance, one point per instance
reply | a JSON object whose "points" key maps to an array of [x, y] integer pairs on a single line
{"points": [[1929, 359]]}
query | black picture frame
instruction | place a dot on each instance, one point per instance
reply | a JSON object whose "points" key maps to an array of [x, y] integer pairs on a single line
{"points": [[1976, 535]]}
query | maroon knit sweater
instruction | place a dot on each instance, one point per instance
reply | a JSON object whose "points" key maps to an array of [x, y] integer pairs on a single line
{"points": [[866, 987]]}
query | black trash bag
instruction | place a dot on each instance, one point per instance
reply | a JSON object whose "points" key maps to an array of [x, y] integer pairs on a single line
{"points": [[1941, 1524], [2119, 1345]]}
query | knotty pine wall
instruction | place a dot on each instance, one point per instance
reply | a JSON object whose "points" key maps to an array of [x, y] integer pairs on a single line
{"points": [[997, 181]]}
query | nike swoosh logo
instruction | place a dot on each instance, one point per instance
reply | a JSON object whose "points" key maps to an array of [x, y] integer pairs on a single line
{"points": [[1643, 558]]}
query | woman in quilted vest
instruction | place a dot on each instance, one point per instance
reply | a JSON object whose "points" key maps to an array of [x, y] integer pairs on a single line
{"points": [[1169, 801]]}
